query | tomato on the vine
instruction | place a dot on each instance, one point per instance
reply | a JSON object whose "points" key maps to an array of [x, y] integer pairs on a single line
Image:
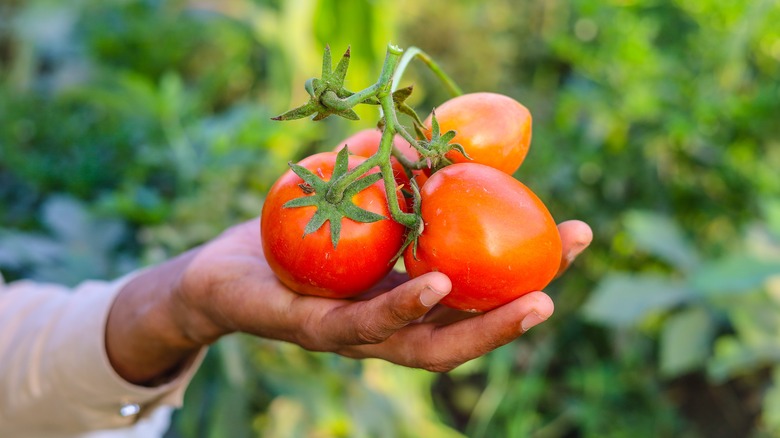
{"points": [[493, 129], [488, 232], [311, 265]]}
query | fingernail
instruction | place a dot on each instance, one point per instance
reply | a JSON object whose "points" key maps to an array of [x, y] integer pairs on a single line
{"points": [[531, 320], [430, 296]]}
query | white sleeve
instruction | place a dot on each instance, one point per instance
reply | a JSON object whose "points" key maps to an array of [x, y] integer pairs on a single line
{"points": [[54, 370]]}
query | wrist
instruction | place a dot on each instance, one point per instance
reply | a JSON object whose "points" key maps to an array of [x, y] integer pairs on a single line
{"points": [[191, 307], [146, 338]]}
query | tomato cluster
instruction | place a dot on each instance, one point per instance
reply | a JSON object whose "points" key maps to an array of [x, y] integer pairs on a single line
{"points": [[487, 231]]}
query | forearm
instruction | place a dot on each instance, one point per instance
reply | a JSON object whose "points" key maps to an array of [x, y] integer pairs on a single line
{"points": [[146, 335]]}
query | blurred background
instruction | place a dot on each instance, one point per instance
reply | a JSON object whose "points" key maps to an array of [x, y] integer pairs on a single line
{"points": [[133, 130]]}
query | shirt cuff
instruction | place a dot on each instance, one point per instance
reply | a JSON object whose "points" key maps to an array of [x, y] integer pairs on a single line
{"points": [[80, 359]]}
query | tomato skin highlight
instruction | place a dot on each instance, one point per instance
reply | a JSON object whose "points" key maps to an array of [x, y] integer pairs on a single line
{"points": [[310, 265], [495, 130], [489, 233]]}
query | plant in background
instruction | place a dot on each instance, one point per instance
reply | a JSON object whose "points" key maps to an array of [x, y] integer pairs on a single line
{"points": [[720, 315], [78, 244], [658, 106]]}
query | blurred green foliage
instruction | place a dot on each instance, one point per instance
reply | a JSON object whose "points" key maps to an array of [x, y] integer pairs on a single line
{"points": [[132, 130]]}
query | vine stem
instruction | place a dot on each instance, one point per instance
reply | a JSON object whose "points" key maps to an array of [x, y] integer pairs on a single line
{"points": [[336, 191], [383, 90], [333, 101], [386, 148], [396, 61], [416, 52]]}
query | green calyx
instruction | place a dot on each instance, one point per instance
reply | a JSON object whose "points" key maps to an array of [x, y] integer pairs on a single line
{"points": [[315, 190], [434, 151], [328, 95], [399, 100]]}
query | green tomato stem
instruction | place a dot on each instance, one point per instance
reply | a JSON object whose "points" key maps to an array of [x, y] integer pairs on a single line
{"points": [[382, 87], [334, 102], [386, 147], [409, 164], [398, 155], [416, 52], [388, 68], [400, 129], [383, 91], [391, 119]]}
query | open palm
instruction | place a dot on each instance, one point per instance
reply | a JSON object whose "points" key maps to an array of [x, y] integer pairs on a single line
{"points": [[230, 286]]}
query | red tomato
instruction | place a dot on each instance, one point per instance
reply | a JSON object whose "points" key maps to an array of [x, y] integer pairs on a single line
{"points": [[489, 233], [365, 143], [494, 129], [310, 265]]}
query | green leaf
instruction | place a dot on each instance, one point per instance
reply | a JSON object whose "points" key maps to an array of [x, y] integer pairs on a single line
{"points": [[316, 221], [623, 300], [770, 410], [341, 69], [732, 358], [335, 230], [358, 214], [403, 108], [756, 320], [341, 166], [460, 149], [400, 95], [307, 176], [298, 113], [733, 275], [348, 114], [361, 184], [303, 201], [321, 116], [18, 248], [756, 341], [771, 211], [434, 125], [448, 136], [327, 62], [309, 86], [685, 341], [660, 236]]}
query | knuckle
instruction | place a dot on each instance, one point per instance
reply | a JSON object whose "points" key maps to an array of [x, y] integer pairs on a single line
{"points": [[400, 315], [432, 357], [368, 333], [439, 366], [435, 362], [308, 342], [308, 336]]}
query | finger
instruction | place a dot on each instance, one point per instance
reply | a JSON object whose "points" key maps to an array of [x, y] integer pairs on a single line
{"points": [[442, 348], [391, 281], [442, 315], [575, 237], [374, 320]]}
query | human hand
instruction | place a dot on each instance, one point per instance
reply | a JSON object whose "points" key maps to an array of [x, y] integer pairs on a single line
{"points": [[230, 286], [166, 314]]}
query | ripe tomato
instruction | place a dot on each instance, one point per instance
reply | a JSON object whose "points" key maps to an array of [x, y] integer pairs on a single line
{"points": [[489, 233], [494, 129], [366, 142], [310, 265]]}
